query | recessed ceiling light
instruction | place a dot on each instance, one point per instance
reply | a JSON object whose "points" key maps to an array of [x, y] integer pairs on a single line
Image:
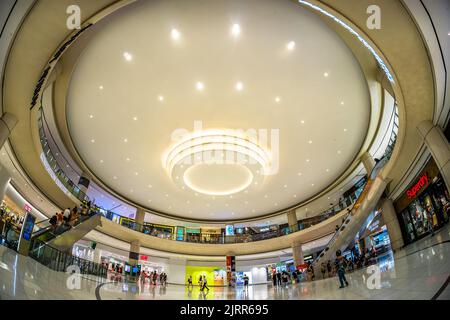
{"points": [[136, 173], [149, 200], [125, 140], [91, 116], [290, 45], [310, 141], [131, 190], [325, 74], [236, 29], [199, 86], [275, 204], [175, 34], [253, 210], [239, 86], [167, 195], [127, 56], [285, 186], [92, 140], [307, 160], [256, 183], [299, 174], [232, 213], [342, 103], [226, 204], [101, 161], [295, 196], [265, 196], [100, 87], [277, 99], [302, 121], [135, 118], [160, 98], [312, 184], [345, 130], [339, 151], [327, 170], [149, 185], [128, 159]]}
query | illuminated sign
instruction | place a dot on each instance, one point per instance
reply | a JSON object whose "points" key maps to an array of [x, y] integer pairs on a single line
{"points": [[421, 183], [27, 208], [229, 230]]}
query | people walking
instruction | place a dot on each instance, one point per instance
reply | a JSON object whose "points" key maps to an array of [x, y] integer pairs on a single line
{"points": [[340, 265]]}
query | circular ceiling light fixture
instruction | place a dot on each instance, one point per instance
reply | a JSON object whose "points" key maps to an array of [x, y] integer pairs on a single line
{"points": [[217, 162]]}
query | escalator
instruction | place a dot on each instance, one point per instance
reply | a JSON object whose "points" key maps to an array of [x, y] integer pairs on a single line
{"points": [[362, 208], [63, 237]]}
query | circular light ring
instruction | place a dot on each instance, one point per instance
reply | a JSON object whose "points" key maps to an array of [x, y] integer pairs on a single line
{"points": [[217, 142], [245, 172]]}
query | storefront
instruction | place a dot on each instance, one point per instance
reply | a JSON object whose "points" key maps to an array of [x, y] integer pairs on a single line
{"points": [[158, 230], [211, 235], [215, 276], [114, 262], [192, 235], [147, 266], [424, 206], [83, 252]]}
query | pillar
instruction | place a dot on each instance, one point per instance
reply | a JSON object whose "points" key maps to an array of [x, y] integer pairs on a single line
{"points": [[97, 255], [139, 219], [292, 220], [4, 181], [391, 221], [84, 182], [368, 162], [297, 253], [7, 124], [439, 147], [135, 249]]}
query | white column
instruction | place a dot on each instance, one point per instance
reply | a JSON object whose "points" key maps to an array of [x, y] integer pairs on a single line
{"points": [[368, 162], [139, 219], [135, 249], [97, 255], [4, 181], [297, 253], [7, 123], [292, 220], [439, 147], [390, 219]]}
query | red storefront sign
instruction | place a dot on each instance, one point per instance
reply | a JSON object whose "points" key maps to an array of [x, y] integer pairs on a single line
{"points": [[27, 208], [143, 258], [420, 184]]}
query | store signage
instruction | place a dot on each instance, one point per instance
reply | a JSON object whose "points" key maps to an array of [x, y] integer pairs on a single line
{"points": [[143, 258], [420, 184], [229, 230], [27, 208]]}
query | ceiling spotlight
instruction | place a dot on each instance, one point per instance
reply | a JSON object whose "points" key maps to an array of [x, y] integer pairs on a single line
{"points": [[135, 118], [307, 160], [149, 185], [160, 98], [302, 121], [91, 116], [327, 170], [236, 29], [100, 87], [277, 99], [175, 34], [345, 130], [299, 174], [200, 86], [285, 186], [310, 141], [125, 140], [115, 178], [239, 86], [290, 45], [101, 161], [342, 103], [339, 151], [92, 140], [127, 56], [325, 74], [128, 159]]}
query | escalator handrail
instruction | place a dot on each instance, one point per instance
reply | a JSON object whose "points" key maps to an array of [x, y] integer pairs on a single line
{"points": [[373, 174]]}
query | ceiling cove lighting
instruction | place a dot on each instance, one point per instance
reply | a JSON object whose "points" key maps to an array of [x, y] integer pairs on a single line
{"points": [[201, 154], [353, 32]]}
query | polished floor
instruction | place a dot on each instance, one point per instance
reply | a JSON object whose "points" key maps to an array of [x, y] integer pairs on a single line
{"points": [[420, 271]]}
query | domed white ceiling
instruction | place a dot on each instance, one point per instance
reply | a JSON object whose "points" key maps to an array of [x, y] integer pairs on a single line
{"points": [[160, 66]]}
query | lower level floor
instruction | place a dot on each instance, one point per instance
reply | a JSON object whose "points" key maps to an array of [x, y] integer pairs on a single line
{"points": [[419, 271]]}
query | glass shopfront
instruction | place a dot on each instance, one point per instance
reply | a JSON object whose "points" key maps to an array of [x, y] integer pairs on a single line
{"points": [[425, 205]]}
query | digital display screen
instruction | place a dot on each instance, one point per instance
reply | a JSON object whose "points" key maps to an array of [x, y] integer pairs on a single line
{"points": [[229, 230], [28, 227]]}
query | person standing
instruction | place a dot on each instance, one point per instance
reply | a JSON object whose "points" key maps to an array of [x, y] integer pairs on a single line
{"points": [[279, 278], [323, 269], [190, 285], [246, 282], [67, 215], [340, 264], [274, 278]]}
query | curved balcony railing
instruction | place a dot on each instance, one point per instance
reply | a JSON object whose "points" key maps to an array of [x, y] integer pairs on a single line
{"points": [[276, 231]]}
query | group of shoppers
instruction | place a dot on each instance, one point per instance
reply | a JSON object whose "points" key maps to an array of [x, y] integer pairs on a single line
{"points": [[153, 278], [68, 218], [284, 278]]}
